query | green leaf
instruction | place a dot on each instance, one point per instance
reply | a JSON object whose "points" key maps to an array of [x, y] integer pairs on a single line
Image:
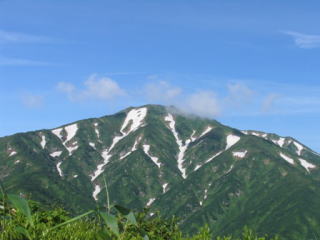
{"points": [[128, 214], [131, 219], [23, 231], [111, 222], [72, 220], [21, 205]]}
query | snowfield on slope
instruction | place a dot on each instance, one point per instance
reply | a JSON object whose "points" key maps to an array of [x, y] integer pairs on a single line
{"points": [[286, 158], [136, 118], [71, 131], [232, 140], [240, 154], [306, 164]]}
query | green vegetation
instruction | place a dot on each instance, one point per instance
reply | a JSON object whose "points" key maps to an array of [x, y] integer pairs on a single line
{"points": [[23, 220]]}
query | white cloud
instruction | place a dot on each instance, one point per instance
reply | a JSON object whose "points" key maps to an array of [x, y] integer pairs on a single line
{"points": [[302, 40], [101, 88], [32, 101], [162, 91], [16, 37], [202, 103]]}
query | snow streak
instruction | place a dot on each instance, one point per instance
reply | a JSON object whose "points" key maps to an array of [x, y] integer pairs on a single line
{"points": [[136, 118], [288, 159], [146, 149], [71, 131], [182, 146]]}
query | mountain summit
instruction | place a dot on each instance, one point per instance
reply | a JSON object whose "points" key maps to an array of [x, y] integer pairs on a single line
{"points": [[194, 168]]}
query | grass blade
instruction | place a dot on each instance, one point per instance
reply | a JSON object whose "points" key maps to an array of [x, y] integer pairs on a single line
{"points": [[72, 220], [107, 192]]}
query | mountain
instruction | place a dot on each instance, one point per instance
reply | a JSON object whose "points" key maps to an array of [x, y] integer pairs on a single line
{"points": [[194, 168]]}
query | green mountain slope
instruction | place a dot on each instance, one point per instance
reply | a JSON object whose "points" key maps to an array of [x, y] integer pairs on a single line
{"points": [[190, 167]]}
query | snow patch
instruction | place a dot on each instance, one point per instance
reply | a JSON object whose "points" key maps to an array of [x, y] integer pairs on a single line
{"points": [[17, 161], [256, 134], [57, 132], [43, 141], [165, 187], [71, 131], [208, 160], [136, 116], [205, 194], [75, 176], [92, 145], [299, 148], [193, 138], [232, 140], [56, 154], [182, 147], [288, 159], [146, 149], [151, 200], [134, 148], [281, 141], [208, 129], [74, 146], [12, 153], [230, 169], [204, 197], [97, 190], [240, 154], [96, 129], [306, 164], [59, 168]]}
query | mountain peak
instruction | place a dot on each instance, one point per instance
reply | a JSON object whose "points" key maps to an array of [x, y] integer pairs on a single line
{"points": [[154, 156]]}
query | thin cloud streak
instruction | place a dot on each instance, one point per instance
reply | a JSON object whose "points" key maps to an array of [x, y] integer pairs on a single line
{"points": [[302, 40], [21, 62], [17, 37]]}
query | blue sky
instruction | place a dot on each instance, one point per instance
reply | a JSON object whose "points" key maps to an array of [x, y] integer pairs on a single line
{"points": [[247, 64]]}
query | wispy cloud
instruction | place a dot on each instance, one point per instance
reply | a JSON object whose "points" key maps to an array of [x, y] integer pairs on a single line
{"points": [[162, 91], [99, 88], [32, 101], [302, 40], [123, 73], [17, 37], [21, 62], [269, 102], [203, 103]]}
